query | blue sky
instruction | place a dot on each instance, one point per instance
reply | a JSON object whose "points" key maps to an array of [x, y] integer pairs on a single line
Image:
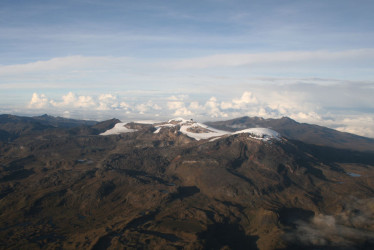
{"points": [[208, 59]]}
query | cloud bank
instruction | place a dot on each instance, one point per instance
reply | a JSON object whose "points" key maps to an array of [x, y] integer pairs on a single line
{"points": [[271, 104]]}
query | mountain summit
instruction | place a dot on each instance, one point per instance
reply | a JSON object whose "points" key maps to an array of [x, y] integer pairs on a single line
{"points": [[196, 130], [308, 133]]}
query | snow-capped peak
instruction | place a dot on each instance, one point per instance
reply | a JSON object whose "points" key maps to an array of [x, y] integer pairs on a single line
{"points": [[198, 131], [119, 128], [261, 133]]}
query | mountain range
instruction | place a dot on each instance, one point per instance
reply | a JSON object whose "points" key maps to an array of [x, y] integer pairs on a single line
{"points": [[246, 183]]}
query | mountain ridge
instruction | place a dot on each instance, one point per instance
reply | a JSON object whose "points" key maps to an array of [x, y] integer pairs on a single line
{"points": [[313, 134], [156, 186]]}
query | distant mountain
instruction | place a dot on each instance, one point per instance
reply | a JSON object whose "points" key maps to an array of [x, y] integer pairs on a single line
{"points": [[15, 126], [61, 122], [105, 125], [11, 126], [308, 133]]}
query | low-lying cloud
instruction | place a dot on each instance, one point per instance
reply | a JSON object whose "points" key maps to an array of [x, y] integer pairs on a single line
{"points": [[349, 229], [273, 104]]}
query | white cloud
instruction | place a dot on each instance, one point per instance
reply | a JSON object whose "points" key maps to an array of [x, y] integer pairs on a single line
{"points": [[361, 125], [195, 106], [124, 105], [178, 105], [178, 97], [85, 102], [341, 231], [38, 101], [105, 97], [240, 103], [306, 117], [108, 102], [156, 107], [68, 99], [183, 112], [268, 104], [213, 108], [175, 105], [149, 106], [142, 108], [71, 100]]}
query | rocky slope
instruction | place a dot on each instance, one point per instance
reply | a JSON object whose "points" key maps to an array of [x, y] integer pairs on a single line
{"points": [[163, 186], [309, 133]]}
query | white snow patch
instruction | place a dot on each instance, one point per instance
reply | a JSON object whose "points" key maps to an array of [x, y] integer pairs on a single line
{"points": [[353, 174], [215, 138], [148, 122], [264, 134], [119, 128], [165, 125], [197, 131], [200, 136], [158, 126], [157, 130]]}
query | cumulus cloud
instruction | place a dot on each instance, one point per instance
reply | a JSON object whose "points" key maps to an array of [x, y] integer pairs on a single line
{"points": [[195, 106], [71, 100], [108, 102], [270, 104], [178, 97], [178, 106], [38, 101], [175, 105], [183, 111], [240, 103], [124, 105], [149, 106], [212, 108], [305, 116], [84, 102]]}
